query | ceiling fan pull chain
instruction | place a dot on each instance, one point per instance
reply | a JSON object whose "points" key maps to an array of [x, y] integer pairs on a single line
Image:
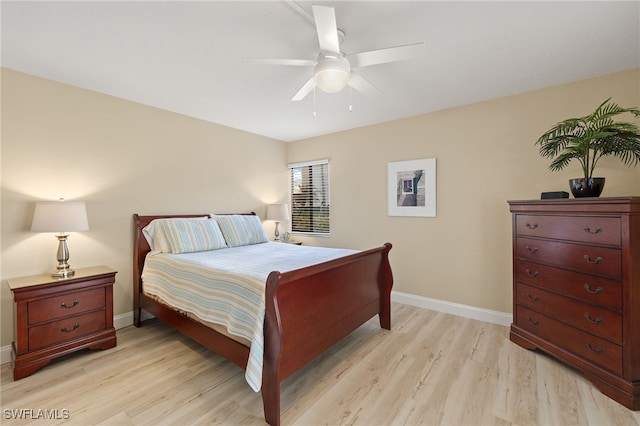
{"points": [[314, 102], [350, 100]]}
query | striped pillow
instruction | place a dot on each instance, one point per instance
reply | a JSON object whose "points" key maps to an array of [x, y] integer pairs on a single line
{"points": [[241, 230], [192, 235], [156, 237]]}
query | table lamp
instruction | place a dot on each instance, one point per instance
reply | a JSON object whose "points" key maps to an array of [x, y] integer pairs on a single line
{"points": [[62, 217], [277, 213]]}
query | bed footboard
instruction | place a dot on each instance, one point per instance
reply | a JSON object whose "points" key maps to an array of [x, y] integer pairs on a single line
{"points": [[310, 309]]}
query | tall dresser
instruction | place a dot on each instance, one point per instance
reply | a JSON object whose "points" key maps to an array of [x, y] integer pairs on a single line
{"points": [[576, 287]]}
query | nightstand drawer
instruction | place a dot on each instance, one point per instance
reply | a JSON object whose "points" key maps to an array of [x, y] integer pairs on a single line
{"points": [[588, 229], [65, 329], [65, 305]]}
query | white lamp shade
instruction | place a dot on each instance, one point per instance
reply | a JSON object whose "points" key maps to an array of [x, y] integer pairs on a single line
{"points": [[277, 212], [60, 216]]}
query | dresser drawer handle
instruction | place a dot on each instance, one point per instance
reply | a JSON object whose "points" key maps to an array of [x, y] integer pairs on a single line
{"points": [[598, 320], [64, 305], [532, 249], [75, 326], [596, 261], [596, 291], [532, 321], [532, 298], [531, 225], [596, 231], [531, 274], [595, 351]]}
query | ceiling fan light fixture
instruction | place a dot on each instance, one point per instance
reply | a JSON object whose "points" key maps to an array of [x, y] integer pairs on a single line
{"points": [[331, 74]]}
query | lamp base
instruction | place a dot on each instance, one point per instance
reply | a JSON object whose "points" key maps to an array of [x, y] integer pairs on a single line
{"points": [[277, 232], [63, 272]]}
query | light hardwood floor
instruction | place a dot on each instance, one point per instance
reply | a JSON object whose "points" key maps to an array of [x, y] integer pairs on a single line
{"points": [[431, 368]]}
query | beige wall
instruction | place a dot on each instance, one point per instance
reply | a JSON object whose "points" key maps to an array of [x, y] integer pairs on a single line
{"points": [[124, 158], [485, 155], [121, 158]]}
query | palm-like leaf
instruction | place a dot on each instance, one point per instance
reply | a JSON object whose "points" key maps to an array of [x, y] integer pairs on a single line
{"points": [[587, 139]]}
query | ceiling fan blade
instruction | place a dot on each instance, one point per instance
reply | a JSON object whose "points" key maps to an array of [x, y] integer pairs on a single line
{"points": [[381, 56], [327, 28], [363, 86], [305, 90], [292, 62]]}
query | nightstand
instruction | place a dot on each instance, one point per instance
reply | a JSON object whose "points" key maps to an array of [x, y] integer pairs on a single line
{"points": [[57, 316]]}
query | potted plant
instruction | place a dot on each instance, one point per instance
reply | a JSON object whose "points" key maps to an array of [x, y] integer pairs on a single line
{"points": [[588, 139]]}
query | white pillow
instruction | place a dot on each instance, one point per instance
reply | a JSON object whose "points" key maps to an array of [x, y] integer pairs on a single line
{"points": [[155, 236], [241, 229]]}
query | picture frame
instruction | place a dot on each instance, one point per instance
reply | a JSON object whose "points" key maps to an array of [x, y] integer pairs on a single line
{"points": [[411, 188]]}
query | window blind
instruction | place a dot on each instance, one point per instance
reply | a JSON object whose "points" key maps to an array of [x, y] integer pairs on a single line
{"points": [[310, 197]]}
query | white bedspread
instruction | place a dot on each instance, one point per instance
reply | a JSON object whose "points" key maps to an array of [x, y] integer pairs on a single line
{"points": [[227, 286]]}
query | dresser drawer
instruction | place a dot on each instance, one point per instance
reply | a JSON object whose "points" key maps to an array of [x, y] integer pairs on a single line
{"points": [[65, 305], [598, 351], [589, 288], [588, 229], [590, 318], [65, 329], [578, 257]]}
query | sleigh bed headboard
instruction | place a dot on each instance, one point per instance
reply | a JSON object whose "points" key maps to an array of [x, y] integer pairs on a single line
{"points": [[141, 247]]}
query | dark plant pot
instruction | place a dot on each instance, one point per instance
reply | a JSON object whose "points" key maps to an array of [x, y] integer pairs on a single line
{"points": [[586, 187]]}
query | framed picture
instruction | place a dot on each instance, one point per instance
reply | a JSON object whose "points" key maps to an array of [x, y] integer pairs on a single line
{"points": [[412, 188]]}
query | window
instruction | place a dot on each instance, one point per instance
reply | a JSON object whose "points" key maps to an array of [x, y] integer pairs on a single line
{"points": [[310, 197]]}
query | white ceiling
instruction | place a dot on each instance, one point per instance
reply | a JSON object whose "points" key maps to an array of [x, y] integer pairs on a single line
{"points": [[187, 57]]}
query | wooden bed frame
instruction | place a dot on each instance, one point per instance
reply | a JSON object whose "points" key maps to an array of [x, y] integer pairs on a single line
{"points": [[307, 311]]}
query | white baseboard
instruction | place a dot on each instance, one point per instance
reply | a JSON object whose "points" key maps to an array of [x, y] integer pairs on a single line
{"points": [[123, 320], [480, 314], [5, 354], [486, 315]]}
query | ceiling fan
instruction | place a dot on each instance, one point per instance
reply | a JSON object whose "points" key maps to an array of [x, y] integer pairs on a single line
{"points": [[332, 69]]}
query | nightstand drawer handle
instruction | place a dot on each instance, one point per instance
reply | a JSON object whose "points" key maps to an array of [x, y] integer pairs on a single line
{"points": [[597, 230], [75, 326], [532, 249], [531, 274], [64, 305], [531, 226], [598, 320], [532, 321], [596, 291], [588, 259], [596, 351]]}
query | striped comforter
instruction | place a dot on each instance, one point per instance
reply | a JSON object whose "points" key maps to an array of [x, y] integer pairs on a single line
{"points": [[227, 286]]}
